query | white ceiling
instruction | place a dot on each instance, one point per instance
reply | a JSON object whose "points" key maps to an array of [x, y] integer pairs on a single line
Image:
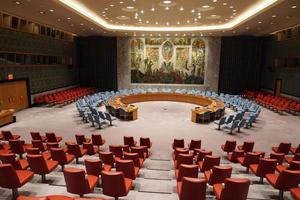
{"points": [[158, 18]]}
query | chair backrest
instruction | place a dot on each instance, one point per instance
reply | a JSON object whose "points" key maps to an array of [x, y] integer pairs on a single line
{"points": [[129, 140], [16, 146], [229, 145], [236, 189], [107, 158], [51, 137], [93, 166], [59, 155], [52, 145], [38, 144], [235, 124], [193, 188], [229, 119], [294, 165], [187, 171], [184, 159], [10, 158], [97, 139], [8, 177], [127, 167], [35, 135], [180, 151], [284, 147], [195, 144], [242, 123], [7, 135], [37, 164], [296, 157], [288, 179], [178, 143], [73, 148], [210, 161], [140, 150], [134, 157], [32, 151], [219, 174], [75, 181], [145, 142], [113, 184], [266, 166], [222, 121], [248, 146], [116, 150], [201, 153], [80, 139], [251, 158]]}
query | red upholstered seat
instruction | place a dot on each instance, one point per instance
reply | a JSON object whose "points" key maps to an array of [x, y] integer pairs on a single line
{"points": [[195, 144], [208, 162], [250, 158], [128, 168], [13, 179], [10, 158], [283, 147], [59, 155], [178, 143], [78, 183], [95, 166], [55, 197], [36, 151], [138, 162], [97, 140], [295, 149], [75, 150], [40, 166], [183, 159], [265, 166], [229, 146], [296, 193], [117, 150], [247, 146], [129, 140], [7, 135], [90, 148], [114, 184], [201, 153], [37, 136], [51, 137], [234, 189], [294, 165], [141, 150], [17, 147], [145, 141], [218, 174], [186, 171], [284, 181], [192, 189], [278, 156], [289, 159], [232, 157], [80, 139], [179, 151]]}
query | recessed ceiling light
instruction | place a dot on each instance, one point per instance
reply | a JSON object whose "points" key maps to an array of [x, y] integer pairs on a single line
{"points": [[59, 19], [156, 22], [167, 2], [152, 9], [18, 2], [81, 24], [230, 6], [199, 16], [294, 7], [130, 7], [233, 10], [121, 2], [51, 10], [195, 19], [167, 23], [273, 16], [188, 21], [176, 34], [193, 11], [184, 34], [92, 28], [140, 19], [199, 13], [224, 4], [178, 22], [111, 5], [181, 8], [247, 27], [205, 6], [233, 13], [103, 12], [259, 22], [215, 1], [105, 8], [167, 8], [142, 11], [147, 22]]}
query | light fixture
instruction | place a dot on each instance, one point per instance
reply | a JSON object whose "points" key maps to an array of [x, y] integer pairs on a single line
{"points": [[142, 11], [181, 9], [294, 7], [130, 7], [273, 16], [188, 21], [231, 7], [153, 9], [224, 4], [242, 17], [111, 5], [59, 19], [42, 12], [121, 2], [156, 22], [18, 2], [81, 24], [193, 11], [205, 6], [167, 23], [167, 2], [167, 8], [92, 29], [51, 10], [259, 22], [147, 22], [178, 22]]}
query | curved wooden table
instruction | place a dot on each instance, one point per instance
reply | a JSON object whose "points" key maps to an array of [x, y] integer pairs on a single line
{"points": [[122, 108]]}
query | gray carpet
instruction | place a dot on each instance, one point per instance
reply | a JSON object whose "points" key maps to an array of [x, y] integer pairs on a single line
{"points": [[162, 122]]}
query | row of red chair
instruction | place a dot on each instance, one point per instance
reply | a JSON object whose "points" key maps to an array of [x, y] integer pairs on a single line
{"points": [[279, 104], [55, 197], [65, 96], [286, 178]]}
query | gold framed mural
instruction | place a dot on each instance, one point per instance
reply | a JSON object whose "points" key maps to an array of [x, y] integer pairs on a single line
{"points": [[168, 60]]}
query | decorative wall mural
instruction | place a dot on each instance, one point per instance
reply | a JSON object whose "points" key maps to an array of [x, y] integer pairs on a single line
{"points": [[168, 60]]}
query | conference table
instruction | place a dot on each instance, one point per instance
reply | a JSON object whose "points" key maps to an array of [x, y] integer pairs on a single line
{"points": [[207, 109]]}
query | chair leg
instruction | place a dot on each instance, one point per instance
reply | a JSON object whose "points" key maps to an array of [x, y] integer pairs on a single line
{"points": [[15, 193], [280, 197], [77, 160], [116, 198], [247, 170], [219, 127], [261, 180], [44, 178]]}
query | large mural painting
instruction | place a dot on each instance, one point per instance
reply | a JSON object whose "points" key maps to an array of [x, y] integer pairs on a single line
{"points": [[168, 60]]}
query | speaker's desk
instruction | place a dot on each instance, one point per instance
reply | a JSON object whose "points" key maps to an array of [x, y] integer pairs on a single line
{"points": [[121, 106]]}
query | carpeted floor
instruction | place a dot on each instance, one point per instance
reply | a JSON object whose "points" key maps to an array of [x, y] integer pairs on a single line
{"points": [[162, 122]]}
